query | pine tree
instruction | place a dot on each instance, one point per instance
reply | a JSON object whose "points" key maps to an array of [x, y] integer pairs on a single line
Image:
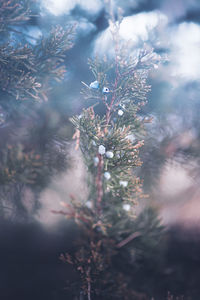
{"points": [[32, 150], [112, 237]]}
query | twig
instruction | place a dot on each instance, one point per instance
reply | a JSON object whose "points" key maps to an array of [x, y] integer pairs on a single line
{"points": [[128, 239], [89, 284], [99, 185], [109, 108]]}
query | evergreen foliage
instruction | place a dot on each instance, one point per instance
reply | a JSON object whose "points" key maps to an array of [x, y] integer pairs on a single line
{"points": [[111, 236], [32, 147]]}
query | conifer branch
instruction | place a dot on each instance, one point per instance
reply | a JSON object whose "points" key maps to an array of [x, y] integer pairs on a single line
{"points": [[99, 185], [110, 146]]}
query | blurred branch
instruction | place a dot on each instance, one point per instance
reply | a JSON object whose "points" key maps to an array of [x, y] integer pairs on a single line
{"points": [[14, 12]]}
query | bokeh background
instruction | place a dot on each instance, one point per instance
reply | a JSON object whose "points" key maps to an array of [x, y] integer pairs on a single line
{"points": [[31, 245], [170, 155]]}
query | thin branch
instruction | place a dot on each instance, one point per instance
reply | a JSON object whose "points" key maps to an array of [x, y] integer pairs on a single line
{"points": [[99, 185], [128, 239], [109, 108], [89, 284]]}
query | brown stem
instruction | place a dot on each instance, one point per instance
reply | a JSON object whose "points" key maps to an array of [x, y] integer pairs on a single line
{"points": [[128, 239], [99, 185], [89, 290], [108, 115], [89, 284], [109, 108]]}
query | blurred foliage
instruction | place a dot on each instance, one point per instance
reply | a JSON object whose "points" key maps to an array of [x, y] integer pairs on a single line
{"points": [[109, 267], [33, 134], [19, 166], [26, 71], [14, 12]]}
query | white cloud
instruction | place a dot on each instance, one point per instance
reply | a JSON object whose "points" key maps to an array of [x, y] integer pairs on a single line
{"points": [[185, 49], [85, 27], [132, 28], [139, 25], [182, 41], [60, 7]]}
